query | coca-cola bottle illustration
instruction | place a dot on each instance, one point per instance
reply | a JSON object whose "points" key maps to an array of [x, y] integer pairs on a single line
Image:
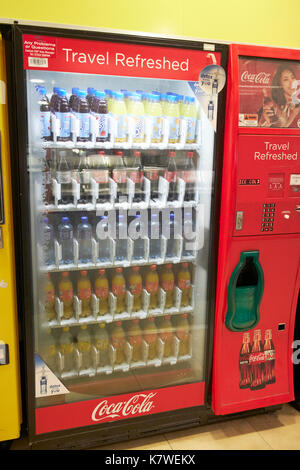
{"points": [[269, 351], [245, 371], [257, 362]]}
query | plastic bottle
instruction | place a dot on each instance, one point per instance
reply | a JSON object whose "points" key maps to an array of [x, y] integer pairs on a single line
{"points": [[154, 236], [154, 112], [62, 112], [118, 341], [65, 239], [100, 173], [48, 242], [101, 342], [49, 353], [121, 242], [84, 174], [150, 336], [183, 333], [84, 238], [66, 295], [184, 283], [172, 114], [100, 111], [101, 289], [171, 176], [119, 175], [48, 292], [152, 173], [135, 288], [45, 115], [91, 92], [189, 176], [135, 337], [63, 177], [73, 97], [84, 292], [188, 234], [139, 243], [82, 113], [119, 115], [104, 243], [54, 99], [66, 348], [189, 114], [119, 289], [171, 251], [152, 285], [135, 110], [109, 99], [84, 344], [136, 174], [47, 178], [167, 283], [166, 333]]}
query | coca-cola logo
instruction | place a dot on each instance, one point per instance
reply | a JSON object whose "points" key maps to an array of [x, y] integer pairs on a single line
{"points": [[261, 77], [256, 357], [136, 405]]}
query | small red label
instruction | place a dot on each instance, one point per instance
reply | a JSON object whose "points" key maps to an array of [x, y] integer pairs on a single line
{"points": [[101, 292], [84, 293]]}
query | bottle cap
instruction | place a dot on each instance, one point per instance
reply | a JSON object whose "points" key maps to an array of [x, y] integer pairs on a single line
{"points": [[190, 154], [81, 93], [172, 153], [83, 273], [42, 90], [118, 270], [184, 315], [62, 92], [66, 328], [65, 274], [136, 320], [184, 265], [167, 317], [153, 267], [84, 218], [83, 327], [169, 266], [101, 325], [65, 219], [151, 319], [119, 323], [119, 153], [99, 94], [108, 92], [101, 271], [101, 152], [118, 95], [136, 153], [55, 89], [135, 96], [136, 268], [46, 220], [172, 98], [74, 90]]}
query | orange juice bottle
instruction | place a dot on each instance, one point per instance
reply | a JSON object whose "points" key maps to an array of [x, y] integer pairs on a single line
{"points": [[184, 283], [167, 283], [151, 285], [118, 341], [84, 347], [49, 297], [150, 336], [84, 292], [66, 295], [135, 339], [183, 333], [166, 334], [101, 289], [66, 348], [135, 287], [119, 289]]}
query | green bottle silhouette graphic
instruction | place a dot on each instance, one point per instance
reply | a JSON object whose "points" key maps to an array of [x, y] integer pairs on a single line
{"points": [[244, 294]]}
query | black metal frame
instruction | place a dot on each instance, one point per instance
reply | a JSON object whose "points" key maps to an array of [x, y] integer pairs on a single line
{"points": [[134, 427]]}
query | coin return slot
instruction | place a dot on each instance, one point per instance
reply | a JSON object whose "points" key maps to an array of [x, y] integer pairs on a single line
{"points": [[281, 326]]}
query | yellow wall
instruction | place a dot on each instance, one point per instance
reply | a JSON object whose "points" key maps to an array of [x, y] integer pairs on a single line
{"points": [[268, 22]]}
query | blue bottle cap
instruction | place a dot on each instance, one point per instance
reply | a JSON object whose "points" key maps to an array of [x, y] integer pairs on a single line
{"points": [[172, 215], [120, 216], [118, 95], [140, 91], [90, 91], [46, 220], [172, 99], [74, 90], [153, 97], [84, 219], [42, 90], [55, 89], [108, 92], [62, 92], [65, 219], [81, 93], [163, 96], [135, 96], [189, 99], [99, 94]]}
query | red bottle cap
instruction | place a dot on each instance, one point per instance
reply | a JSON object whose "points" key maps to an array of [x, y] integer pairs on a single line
{"points": [[65, 274], [83, 273], [101, 271], [153, 267], [118, 270], [136, 268]]}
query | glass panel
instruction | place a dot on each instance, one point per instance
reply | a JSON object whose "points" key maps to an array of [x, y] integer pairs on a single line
{"points": [[121, 189], [269, 93]]}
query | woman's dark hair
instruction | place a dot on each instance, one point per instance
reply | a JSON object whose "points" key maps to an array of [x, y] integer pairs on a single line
{"points": [[276, 87]]}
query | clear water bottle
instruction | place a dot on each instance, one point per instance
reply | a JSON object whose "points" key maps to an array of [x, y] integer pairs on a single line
{"points": [[121, 242], [104, 243], [171, 242], [48, 242], [139, 242], [65, 239], [84, 238], [188, 234], [154, 236]]}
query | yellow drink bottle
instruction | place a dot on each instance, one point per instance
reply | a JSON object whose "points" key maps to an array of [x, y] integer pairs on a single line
{"points": [[135, 339], [184, 283], [151, 336], [166, 334], [84, 347], [49, 297], [167, 283], [84, 292], [183, 333], [66, 295], [136, 287], [101, 289], [101, 342], [66, 348], [152, 285], [118, 341], [119, 289]]}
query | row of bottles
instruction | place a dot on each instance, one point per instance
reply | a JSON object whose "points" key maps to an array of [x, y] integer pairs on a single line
{"points": [[118, 116], [107, 287], [101, 177], [99, 347], [117, 237]]}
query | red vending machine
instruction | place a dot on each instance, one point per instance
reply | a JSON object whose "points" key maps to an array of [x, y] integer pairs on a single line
{"points": [[117, 173], [259, 247]]}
